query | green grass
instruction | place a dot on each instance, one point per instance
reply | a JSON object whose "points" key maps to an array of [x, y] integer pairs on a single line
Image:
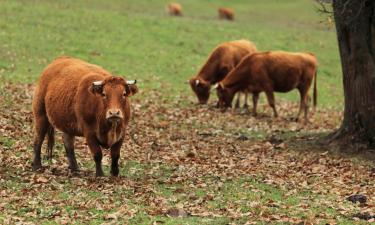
{"points": [[138, 40]]}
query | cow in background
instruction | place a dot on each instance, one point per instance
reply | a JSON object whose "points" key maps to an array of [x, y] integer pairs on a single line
{"points": [[174, 9], [274, 71], [220, 62], [226, 13]]}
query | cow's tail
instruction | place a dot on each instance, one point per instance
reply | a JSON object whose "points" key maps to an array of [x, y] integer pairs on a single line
{"points": [[315, 94], [50, 141]]}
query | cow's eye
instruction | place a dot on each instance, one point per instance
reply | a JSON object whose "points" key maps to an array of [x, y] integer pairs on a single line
{"points": [[124, 94], [104, 95]]}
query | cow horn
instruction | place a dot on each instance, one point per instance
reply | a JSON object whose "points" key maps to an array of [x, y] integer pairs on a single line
{"points": [[97, 83], [196, 82], [215, 86], [131, 82]]}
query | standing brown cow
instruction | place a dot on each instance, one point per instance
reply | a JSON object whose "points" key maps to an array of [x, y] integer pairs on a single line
{"points": [[221, 61], [226, 13], [174, 9], [271, 71], [81, 99]]}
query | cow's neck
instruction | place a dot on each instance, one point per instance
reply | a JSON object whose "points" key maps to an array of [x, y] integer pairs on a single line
{"points": [[208, 73], [110, 133]]}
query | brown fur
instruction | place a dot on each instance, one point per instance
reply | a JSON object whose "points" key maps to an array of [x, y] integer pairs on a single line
{"points": [[271, 71], [226, 13], [67, 99], [174, 9], [220, 62]]}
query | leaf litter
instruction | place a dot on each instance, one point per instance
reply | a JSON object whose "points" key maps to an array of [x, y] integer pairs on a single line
{"points": [[178, 161]]}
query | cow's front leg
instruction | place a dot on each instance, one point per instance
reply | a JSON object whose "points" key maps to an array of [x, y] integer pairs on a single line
{"points": [[271, 102], [115, 155], [96, 152]]}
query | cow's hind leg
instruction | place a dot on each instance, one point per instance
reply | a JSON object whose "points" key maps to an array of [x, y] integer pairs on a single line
{"points": [[255, 103], [69, 149], [237, 104], [50, 142], [303, 90], [246, 106], [271, 102], [41, 127]]}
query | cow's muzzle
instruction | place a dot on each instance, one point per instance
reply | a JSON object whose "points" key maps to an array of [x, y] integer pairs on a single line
{"points": [[114, 115]]}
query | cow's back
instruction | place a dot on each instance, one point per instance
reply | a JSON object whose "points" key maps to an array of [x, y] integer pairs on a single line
{"points": [[284, 71], [57, 89], [234, 51], [224, 58]]}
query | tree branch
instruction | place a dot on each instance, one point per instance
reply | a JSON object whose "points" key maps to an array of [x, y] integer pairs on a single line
{"points": [[323, 6]]}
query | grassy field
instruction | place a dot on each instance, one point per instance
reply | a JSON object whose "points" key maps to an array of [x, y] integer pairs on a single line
{"points": [[179, 166], [138, 40]]}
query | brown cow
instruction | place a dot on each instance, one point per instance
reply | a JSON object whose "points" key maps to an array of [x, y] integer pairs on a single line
{"points": [[222, 60], [271, 71], [81, 99], [226, 13], [174, 9]]}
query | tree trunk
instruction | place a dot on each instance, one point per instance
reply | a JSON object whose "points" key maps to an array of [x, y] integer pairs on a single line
{"points": [[355, 25]]}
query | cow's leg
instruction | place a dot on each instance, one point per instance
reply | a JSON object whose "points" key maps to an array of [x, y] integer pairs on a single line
{"points": [[255, 103], [237, 105], [96, 152], [271, 101], [301, 105], [115, 155], [246, 106], [50, 142], [303, 90], [41, 127], [69, 149], [306, 106]]}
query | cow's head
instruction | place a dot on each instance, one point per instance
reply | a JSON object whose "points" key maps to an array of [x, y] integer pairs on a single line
{"points": [[113, 92], [225, 96], [201, 89]]}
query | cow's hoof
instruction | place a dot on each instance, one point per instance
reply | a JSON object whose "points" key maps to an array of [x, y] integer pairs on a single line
{"points": [[73, 168], [115, 172], [99, 174], [36, 166]]}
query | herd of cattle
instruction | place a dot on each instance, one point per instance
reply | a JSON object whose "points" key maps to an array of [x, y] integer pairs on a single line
{"points": [[237, 67], [82, 99], [175, 9]]}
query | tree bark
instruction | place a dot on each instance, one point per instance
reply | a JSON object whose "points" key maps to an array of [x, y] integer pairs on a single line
{"points": [[355, 26]]}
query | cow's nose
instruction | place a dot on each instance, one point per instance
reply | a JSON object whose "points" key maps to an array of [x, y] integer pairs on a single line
{"points": [[114, 113]]}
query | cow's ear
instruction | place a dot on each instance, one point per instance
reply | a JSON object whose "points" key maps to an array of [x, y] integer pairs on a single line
{"points": [[131, 87], [220, 86], [97, 87]]}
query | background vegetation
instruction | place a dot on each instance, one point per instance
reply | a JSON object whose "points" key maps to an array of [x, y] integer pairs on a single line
{"points": [[181, 163]]}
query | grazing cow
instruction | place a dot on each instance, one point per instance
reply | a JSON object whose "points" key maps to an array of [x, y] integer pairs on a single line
{"points": [[81, 99], [271, 71], [226, 13], [174, 9], [222, 60]]}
